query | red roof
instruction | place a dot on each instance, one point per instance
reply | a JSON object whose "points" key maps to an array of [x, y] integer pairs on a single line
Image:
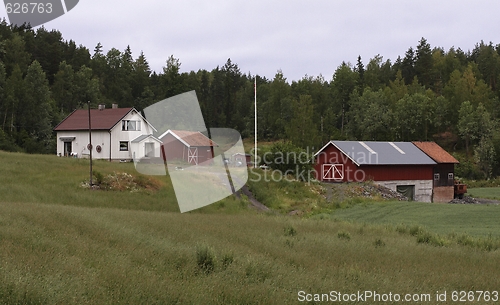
{"points": [[191, 138], [101, 119], [435, 151]]}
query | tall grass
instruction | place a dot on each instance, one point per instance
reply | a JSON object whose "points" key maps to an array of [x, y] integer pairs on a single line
{"points": [[76, 255], [55, 180], [64, 244]]}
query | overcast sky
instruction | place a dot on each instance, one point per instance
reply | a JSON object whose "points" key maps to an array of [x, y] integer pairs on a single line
{"points": [[298, 37]]}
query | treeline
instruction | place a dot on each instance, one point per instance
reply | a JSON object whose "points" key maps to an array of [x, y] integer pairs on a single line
{"points": [[448, 96]]}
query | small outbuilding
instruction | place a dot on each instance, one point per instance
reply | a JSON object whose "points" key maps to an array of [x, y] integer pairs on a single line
{"points": [[241, 158], [400, 166], [182, 146], [443, 172]]}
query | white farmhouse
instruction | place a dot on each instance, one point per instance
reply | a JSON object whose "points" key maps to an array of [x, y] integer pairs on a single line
{"points": [[118, 134]]}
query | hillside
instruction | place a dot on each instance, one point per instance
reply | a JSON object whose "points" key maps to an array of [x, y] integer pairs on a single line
{"points": [[428, 93], [64, 243]]}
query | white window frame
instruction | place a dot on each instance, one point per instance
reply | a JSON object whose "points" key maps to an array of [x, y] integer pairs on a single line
{"points": [[124, 142], [127, 125]]}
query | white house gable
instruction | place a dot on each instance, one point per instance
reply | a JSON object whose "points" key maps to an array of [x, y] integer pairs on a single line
{"points": [[113, 131]]}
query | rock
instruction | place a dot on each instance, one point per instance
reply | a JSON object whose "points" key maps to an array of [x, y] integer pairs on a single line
{"points": [[465, 200]]}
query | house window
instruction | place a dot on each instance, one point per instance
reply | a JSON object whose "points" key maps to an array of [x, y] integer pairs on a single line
{"points": [[129, 125], [436, 177], [450, 176], [123, 146]]}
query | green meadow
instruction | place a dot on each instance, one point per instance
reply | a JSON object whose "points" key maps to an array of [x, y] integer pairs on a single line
{"points": [[485, 192], [479, 220], [62, 243]]}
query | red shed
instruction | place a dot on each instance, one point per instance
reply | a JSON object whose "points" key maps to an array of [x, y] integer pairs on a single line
{"points": [[400, 166], [184, 146]]}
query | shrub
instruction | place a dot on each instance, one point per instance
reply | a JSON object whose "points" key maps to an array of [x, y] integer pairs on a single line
{"points": [[344, 235], [98, 177], [286, 157], [290, 231], [379, 243], [205, 259], [401, 228], [416, 230], [429, 238], [227, 259]]}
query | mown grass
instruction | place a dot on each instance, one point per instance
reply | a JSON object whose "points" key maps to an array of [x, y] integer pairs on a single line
{"points": [[485, 192], [478, 220]]}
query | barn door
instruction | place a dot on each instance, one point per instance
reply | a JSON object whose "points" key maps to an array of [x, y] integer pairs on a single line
{"points": [[333, 172], [193, 155], [406, 190]]}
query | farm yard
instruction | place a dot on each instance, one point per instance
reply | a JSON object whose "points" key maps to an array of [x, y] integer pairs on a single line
{"points": [[64, 243]]}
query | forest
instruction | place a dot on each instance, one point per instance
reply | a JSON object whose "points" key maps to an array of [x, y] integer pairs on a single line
{"points": [[427, 94]]}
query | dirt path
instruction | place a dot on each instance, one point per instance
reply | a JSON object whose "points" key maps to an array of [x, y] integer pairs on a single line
{"points": [[488, 201], [254, 202], [474, 200]]}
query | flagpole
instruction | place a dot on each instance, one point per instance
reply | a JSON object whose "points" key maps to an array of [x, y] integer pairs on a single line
{"points": [[255, 124]]}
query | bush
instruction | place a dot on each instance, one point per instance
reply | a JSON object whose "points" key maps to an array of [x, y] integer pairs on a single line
{"points": [[379, 243], [205, 259], [227, 259], [124, 182], [288, 158], [429, 238], [290, 231], [469, 170], [98, 177], [416, 230], [344, 235]]}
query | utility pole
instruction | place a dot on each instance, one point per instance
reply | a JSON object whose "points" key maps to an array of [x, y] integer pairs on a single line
{"points": [[90, 144], [255, 123]]}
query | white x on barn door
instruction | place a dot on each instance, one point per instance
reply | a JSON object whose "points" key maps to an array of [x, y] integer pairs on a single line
{"points": [[333, 171], [193, 155]]}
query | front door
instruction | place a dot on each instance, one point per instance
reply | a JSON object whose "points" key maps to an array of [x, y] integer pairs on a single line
{"points": [[150, 150], [67, 149]]}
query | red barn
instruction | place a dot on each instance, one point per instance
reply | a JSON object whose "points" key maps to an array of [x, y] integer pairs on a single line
{"points": [[400, 166], [444, 171], [184, 146]]}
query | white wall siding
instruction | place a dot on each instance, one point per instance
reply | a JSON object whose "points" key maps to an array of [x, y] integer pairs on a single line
{"points": [[109, 141]]}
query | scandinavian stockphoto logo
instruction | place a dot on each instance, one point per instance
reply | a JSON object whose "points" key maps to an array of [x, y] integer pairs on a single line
{"points": [[36, 13], [205, 166]]}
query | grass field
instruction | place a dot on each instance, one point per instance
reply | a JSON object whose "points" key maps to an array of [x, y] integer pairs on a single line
{"points": [[64, 244], [476, 220], [485, 192]]}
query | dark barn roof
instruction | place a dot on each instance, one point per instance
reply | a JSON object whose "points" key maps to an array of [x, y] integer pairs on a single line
{"points": [[104, 119], [381, 153]]}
